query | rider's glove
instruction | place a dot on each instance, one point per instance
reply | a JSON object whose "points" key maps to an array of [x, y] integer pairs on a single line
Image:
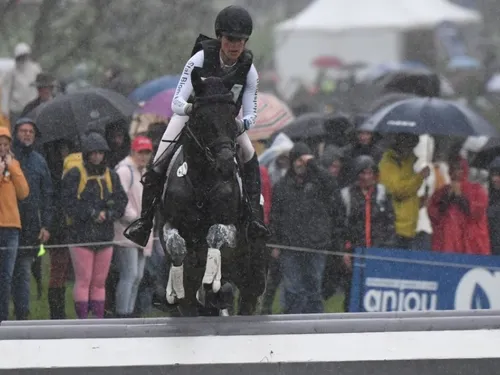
{"points": [[188, 109], [243, 125], [240, 125], [246, 124]]}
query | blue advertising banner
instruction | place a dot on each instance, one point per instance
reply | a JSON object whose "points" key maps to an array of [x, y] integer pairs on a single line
{"points": [[404, 280]]}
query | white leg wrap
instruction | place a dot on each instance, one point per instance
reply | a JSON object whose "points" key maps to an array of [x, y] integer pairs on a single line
{"points": [[213, 270], [175, 285]]}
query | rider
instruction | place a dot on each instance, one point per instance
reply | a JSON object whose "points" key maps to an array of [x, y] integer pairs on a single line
{"points": [[215, 57]]}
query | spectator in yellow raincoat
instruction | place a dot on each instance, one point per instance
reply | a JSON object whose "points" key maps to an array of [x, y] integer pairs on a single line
{"points": [[399, 177]]}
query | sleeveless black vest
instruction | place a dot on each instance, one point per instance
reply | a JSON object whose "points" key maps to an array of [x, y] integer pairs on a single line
{"points": [[212, 66]]}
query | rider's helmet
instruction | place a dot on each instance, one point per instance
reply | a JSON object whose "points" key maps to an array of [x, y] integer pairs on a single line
{"points": [[234, 21]]}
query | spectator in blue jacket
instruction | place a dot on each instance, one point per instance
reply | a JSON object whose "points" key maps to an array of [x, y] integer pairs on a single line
{"points": [[36, 212]]}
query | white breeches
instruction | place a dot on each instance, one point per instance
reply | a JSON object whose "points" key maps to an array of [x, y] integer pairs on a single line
{"points": [[176, 125]]}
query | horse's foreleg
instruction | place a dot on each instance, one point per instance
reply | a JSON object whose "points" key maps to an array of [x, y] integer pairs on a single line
{"points": [[218, 236], [176, 248]]}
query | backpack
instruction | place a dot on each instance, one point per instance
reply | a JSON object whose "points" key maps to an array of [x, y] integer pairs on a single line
{"points": [[75, 160], [131, 174]]}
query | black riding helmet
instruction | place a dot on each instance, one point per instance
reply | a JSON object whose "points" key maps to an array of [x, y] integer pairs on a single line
{"points": [[234, 21]]}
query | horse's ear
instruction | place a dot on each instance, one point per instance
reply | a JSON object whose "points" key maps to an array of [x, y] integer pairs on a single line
{"points": [[196, 79]]}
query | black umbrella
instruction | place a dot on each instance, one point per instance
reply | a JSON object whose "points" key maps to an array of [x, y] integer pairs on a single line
{"points": [[484, 150], [318, 126], [417, 82], [388, 99], [70, 116], [429, 116]]}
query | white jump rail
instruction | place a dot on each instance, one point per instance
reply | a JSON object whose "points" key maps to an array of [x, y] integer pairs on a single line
{"points": [[384, 343]]}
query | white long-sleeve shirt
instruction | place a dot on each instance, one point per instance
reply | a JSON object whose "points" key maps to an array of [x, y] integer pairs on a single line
{"points": [[17, 88], [185, 89]]}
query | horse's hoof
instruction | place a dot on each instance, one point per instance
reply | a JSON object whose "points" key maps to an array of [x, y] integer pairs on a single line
{"points": [[171, 300], [201, 296], [216, 286], [224, 312], [226, 297], [175, 286]]}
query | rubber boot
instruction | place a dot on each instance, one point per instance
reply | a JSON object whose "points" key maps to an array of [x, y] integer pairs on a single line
{"points": [[251, 182], [57, 303], [153, 181]]}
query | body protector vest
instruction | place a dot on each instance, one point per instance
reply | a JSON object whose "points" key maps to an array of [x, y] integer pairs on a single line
{"points": [[212, 66]]}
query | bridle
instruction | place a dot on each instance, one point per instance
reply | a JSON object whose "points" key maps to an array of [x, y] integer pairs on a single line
{"points": [[208, 150], [220, 143]]}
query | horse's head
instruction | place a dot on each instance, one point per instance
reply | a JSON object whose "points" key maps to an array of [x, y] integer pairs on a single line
{"points": [[212, 125]]}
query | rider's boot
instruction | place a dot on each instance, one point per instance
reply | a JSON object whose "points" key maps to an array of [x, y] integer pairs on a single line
{"points": [[251, 181], [153, 182]]}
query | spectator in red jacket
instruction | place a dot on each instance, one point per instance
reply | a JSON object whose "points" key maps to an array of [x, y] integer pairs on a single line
{"points": [[266, 192], [458, 214]]}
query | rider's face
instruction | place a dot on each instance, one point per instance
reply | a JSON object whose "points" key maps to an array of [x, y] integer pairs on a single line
{"points": [[232, 47]]}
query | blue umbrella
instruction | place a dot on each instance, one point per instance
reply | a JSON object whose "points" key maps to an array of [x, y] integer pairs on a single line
{"points": [[429, 116], [149, 89]]}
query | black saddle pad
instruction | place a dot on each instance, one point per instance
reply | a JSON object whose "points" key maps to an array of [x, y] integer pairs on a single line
{"points": [[177, 185]]}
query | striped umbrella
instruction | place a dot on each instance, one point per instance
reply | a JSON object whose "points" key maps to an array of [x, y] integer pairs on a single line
{"points": [[272, 115]]}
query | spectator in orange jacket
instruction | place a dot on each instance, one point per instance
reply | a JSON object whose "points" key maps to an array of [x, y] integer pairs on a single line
{"points": [[13, 187], [266, 192]]}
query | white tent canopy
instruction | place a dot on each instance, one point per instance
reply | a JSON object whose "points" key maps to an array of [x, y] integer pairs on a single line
{"points": [[370, 31], [345, 15]]}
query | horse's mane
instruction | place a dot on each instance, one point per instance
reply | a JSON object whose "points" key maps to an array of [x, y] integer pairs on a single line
{"points": [[214, 86]]}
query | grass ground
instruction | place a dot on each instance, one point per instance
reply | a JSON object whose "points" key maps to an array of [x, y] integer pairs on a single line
{"points": [[40, 307]]}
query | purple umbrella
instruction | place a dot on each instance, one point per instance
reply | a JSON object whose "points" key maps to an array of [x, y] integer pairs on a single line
{"points": [[160, 104]]}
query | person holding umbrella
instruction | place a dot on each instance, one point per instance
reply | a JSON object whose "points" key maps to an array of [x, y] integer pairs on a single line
{"points": [[414, 117], [398, 176]]}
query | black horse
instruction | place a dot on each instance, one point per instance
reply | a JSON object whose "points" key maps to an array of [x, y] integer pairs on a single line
{"points": [[203, 227]]}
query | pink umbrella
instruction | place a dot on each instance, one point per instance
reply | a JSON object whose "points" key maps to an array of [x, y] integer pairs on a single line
{"points": [[272, 115], [160, 104]]}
